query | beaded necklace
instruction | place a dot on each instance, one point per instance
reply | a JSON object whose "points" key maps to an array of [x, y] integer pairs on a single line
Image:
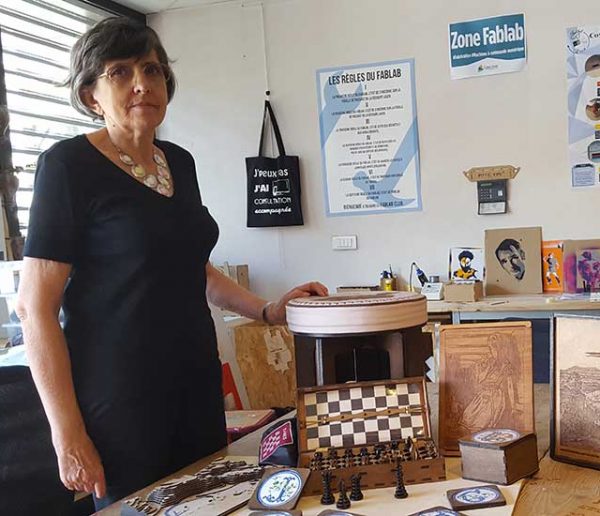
{"points": [[159, 181]]}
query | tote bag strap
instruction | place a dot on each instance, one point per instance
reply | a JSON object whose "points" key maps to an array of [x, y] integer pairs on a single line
{"points": [[268, 113]]}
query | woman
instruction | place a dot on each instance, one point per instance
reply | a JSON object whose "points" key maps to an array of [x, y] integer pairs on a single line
{"points": [[119, 237]]}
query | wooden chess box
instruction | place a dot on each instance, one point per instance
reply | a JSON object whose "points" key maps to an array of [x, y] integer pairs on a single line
{"points": [[385, 420], [499, 456]]}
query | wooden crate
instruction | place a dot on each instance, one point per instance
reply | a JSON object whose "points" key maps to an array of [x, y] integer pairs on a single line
{"points": [[367, 415]]}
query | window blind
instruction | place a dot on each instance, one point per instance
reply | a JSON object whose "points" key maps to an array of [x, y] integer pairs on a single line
{"points": [[37, 36]]}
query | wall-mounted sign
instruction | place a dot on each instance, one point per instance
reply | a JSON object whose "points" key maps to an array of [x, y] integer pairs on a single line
{"points": [[583, 78], [369, 138], [492, 187], [488, 46]]}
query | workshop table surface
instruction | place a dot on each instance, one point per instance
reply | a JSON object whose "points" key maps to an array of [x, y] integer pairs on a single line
{"points": [[515, 303]]}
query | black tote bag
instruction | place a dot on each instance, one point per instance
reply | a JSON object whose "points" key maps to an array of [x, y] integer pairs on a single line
{"points": [[273, 183]]}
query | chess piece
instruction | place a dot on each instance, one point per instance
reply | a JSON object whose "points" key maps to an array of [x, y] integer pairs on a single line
{"points": [[355, 492], [400, 487], [364, 457], [348, 458], [343, 502], [406, 453], [377, 450], [431, 449], [333, 458], [317, 461], [327, 498]]}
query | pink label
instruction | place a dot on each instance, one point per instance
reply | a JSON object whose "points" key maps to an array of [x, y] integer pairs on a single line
{"points": [[281, 436]]}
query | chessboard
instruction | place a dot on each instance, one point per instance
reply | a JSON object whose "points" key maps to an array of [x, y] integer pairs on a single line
{"points": [[367, 414], [364, 428]]}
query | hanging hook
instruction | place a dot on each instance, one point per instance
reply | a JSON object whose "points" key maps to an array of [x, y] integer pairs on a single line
{"points": [[267, 93]]}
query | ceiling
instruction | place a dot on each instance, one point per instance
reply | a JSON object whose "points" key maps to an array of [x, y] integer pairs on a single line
{"points": [[156, 6]]}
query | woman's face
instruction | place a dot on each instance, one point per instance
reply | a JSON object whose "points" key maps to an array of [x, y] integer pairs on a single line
{"points": [[131, 94]]}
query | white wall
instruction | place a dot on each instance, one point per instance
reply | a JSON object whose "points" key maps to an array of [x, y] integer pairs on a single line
{"points": [[518, 119]]}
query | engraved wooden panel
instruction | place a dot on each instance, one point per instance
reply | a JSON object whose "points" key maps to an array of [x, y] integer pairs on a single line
{"points": [[575, 426], [486, 380]]}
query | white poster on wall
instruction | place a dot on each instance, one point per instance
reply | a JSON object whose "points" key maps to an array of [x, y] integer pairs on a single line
{"points": [[583, 77], [369, 138], [487, 46]]}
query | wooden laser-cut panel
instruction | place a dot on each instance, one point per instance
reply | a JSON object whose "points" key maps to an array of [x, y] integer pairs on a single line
{"points": [[486, 380], [575, 426]]}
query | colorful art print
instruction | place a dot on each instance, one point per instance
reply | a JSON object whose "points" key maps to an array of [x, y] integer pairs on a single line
{"points": [[486, 380], [588, 270], [437, 511], [552, 265], [466, 264], [473, 497], [512, 261], [575, 410], [495, 436]]}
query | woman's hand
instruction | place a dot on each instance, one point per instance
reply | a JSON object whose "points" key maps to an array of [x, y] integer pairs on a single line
{"points": [[275, 312], [80, 466]]}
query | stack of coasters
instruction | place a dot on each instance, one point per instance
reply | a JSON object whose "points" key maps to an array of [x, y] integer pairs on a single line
{"points": [[478, 497], [501, 456]]}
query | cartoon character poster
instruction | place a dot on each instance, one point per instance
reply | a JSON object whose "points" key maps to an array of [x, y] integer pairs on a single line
{"points": [[552, 265], [466, 264]]}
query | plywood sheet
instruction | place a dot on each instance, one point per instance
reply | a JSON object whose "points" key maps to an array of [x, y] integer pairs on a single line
{"points": [[265, 356]]}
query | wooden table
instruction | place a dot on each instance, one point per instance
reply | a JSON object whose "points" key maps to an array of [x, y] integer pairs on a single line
{"points": [[558, 489], [378, 501], [538, 306]]}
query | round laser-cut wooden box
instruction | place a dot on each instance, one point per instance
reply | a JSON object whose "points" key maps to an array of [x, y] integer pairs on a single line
{"points": [[356, 313]]}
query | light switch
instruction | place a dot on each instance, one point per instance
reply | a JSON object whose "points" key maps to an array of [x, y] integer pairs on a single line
{"points": [[343, 243]]}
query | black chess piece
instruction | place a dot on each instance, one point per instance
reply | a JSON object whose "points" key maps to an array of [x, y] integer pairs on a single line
{"points": [[364, 457], [431, 449], [348, 458], [333, 458], [318, 458], [400, 487], [355, 492], [377, 450], [407, 449], [343, 502], [327, 498]]}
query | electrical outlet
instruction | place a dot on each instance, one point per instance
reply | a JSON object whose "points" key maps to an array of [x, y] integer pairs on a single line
{"points": [[343, 243]]}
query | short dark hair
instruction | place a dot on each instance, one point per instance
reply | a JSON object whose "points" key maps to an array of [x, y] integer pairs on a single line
{"points": [[466, 254], [112, 38], [506, 245]]}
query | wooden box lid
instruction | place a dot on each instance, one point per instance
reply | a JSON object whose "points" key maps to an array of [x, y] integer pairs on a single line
{"points": [[362, 413], [348, 314], [495, 438]]}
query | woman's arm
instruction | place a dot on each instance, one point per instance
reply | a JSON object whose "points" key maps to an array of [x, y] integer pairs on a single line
{"points": [[40, 295], [226, 293]]}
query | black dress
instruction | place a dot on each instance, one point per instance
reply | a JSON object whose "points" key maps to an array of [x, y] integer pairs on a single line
{"points": [[137, 323]]}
